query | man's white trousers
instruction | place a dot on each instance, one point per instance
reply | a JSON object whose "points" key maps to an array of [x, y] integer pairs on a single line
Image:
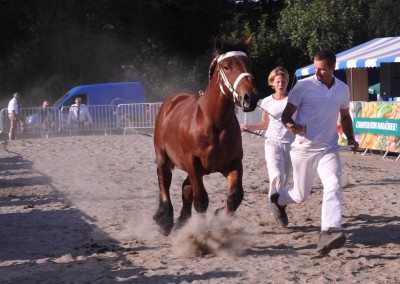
{"points": [[328, 166]]}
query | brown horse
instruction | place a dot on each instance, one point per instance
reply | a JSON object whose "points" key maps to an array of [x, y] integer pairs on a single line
{"points": [[200, 134]]}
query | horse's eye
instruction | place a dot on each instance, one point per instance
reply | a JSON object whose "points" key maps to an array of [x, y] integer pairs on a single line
{"points": [[225, 67]]}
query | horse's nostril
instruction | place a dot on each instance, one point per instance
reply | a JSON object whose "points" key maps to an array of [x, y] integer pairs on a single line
{"points": [[246, 98]]}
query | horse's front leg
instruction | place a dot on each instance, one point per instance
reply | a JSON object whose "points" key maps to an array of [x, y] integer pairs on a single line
{"points": [[200, 196], [235, 188], [164, 216]]}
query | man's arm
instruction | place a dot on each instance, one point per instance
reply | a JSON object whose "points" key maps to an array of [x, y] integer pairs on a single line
{"points": [[288, 121], [347, 125]]}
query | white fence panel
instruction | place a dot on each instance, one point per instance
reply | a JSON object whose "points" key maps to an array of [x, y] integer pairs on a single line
{"points": [[141, 115], [96, 117], [249, 117], [35, 120], [3, 120], [104, 117]]}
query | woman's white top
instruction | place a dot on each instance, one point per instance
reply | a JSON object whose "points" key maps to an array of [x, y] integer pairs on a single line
{"points": [[276, 130]]}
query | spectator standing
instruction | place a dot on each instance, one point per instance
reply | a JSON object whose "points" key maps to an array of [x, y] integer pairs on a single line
{"points": [[79, 114], [15, 115]]}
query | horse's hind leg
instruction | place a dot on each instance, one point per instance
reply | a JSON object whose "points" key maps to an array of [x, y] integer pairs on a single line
{"points": [[164, 216], [187, 200]]}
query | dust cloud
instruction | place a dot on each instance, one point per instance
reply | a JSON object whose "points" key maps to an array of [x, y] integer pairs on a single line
{"points": [[211, 234]]}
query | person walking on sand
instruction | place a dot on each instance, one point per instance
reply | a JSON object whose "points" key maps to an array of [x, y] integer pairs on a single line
{"points": [[278, 138], [15, 115], [318, 100]]}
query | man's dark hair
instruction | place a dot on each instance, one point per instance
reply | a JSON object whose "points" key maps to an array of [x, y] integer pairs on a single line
{"points": [[327, 55]]}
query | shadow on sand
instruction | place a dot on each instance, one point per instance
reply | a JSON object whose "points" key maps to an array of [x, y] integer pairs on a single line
{"points": [[44, 238]]}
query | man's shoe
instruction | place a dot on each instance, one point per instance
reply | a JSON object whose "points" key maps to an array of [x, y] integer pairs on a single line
{"points": [[329, 240], [278, 211]]}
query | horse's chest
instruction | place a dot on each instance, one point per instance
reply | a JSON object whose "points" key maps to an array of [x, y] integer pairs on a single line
{"points": [[219, 151]]}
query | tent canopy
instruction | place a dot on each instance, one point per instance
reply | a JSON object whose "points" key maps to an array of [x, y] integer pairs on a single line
{"points": [[369, 54]]}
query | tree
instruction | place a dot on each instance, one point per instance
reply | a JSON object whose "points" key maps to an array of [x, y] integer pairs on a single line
{"points": [[311, 25], [384, 18], [48, 46]]}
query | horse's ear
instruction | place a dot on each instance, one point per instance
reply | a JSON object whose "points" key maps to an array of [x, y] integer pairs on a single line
{"points": [[247, 41], [218, 44]]}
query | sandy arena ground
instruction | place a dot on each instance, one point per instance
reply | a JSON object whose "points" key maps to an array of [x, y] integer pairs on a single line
{"points": [[78, 210]]}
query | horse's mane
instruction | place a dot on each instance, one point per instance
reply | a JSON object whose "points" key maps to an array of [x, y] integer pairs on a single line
{"points": [[222, 47]]}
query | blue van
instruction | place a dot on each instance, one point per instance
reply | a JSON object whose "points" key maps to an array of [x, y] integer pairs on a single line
{"points": [[104, 94]]}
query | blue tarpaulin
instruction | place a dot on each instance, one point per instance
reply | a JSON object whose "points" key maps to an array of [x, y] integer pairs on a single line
{"points": [[369, 54]]}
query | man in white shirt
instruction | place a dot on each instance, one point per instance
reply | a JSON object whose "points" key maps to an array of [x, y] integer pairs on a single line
{"points": [[15, 115], [79, 114], [318, 101]]}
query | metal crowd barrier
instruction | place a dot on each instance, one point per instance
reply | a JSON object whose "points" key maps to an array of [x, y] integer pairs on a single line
{"points": [[34, 120], [102, 118], [248, 117], [134, 116], [3, 118], [96, 118]]}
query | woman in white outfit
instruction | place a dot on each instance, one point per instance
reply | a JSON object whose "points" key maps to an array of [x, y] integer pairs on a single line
{"points": [[278, 138]]}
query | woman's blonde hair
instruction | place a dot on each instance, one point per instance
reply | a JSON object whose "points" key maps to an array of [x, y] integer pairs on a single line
{"points": [[278, 71]]}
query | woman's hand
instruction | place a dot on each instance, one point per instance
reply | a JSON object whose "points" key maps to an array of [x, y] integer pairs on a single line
{"points": [[243, 127]]}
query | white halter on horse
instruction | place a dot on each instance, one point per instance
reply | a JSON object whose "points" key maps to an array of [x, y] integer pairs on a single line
{"points": [[225, 80]]}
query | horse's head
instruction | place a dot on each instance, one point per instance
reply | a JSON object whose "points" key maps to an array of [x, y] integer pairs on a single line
{"points": [[233, 71]]}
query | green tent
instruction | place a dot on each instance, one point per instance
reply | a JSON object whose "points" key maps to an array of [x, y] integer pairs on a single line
{"points": [[375, 89], [374, 92]]}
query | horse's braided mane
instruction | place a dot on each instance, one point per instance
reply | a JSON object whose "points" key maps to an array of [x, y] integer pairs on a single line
{"points": [[211, 69], [225, 47]]}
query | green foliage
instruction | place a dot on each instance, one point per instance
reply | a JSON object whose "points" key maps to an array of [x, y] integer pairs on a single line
{"points": [[49, 46], [384, 18], [313, 25]]}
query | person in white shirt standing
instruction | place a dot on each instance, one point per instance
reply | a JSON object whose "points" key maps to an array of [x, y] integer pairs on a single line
{"points": [[79, 114], [15, 115], [278, 138], [318, 100]]}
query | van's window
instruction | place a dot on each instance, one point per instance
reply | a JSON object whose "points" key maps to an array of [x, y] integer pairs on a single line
{"points": [[82, 96]]}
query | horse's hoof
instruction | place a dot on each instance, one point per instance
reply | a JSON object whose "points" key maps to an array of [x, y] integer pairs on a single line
{"points": [[164, 218], [166, 223], [163, 231], [180, 222], [165, 226]]}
